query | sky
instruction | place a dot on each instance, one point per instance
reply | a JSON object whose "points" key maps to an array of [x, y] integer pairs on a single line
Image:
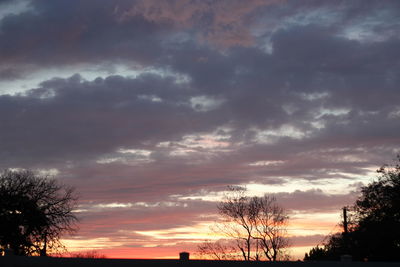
{"points": [[150, 109]]}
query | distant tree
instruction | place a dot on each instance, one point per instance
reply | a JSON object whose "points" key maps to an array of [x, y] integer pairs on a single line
{"points": [[375, 232], [221, 249], [34, 212], [330, 251], [316, 253], [91, 254], [255, 226]]}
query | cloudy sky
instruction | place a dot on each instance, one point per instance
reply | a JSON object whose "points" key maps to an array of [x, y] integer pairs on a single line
{"points": [[151, 108]]}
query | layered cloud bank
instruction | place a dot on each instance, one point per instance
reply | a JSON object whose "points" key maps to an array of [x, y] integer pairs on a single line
{"points": [[151, 108]]}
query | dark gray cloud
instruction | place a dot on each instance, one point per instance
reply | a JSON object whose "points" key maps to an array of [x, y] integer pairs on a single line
{"points": [[9, 74], [62, 32], [4, 2], [89, 118]]}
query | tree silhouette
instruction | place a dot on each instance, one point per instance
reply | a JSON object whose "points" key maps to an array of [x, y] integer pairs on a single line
{"points": [[34, 212], [254, 229], [375, 231]]}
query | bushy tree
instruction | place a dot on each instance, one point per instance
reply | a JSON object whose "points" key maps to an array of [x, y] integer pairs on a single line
{"points": [[254, 229], [34, 212], [375, 231]]}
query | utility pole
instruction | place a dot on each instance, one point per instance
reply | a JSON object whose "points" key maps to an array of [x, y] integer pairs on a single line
{"points": [[345, 236], [345, 229]]}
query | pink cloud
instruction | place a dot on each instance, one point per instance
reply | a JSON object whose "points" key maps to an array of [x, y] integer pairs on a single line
{"points": [[222, 23]]}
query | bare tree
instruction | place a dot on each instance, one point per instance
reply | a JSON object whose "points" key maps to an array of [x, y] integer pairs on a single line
{"points": [[237, 222], [270, 221], [35, 211], [256, 225]]}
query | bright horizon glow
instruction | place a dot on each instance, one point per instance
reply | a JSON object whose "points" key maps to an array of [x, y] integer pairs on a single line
{"points": [[173, 241], [300, 223]]}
